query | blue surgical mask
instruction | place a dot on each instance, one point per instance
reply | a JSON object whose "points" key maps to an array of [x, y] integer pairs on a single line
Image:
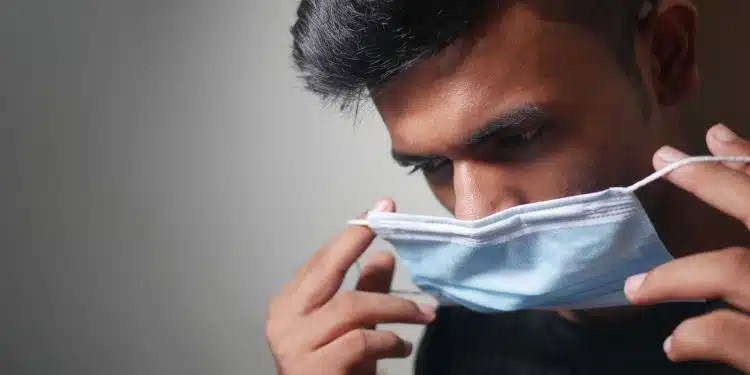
{"points": [[569, 253]]}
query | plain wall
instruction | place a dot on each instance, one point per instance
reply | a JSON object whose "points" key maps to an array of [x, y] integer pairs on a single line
{"points": [[724, 58], [162, 174]]}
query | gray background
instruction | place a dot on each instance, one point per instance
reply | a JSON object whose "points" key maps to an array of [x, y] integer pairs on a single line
{"points": [[162, 174]]}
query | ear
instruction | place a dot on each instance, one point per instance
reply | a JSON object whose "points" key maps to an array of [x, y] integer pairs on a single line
{"points": [[673, 53]]}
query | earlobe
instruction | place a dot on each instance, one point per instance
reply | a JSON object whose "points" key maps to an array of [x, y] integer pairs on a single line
{"points": [[673, 54]]}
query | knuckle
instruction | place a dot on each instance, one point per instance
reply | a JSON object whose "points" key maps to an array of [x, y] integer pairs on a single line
{"points": [[412, 308], [270, 327], [274, 305], [282, 347], [276, 329], [391, 340], [357, 342], [273, 331]]}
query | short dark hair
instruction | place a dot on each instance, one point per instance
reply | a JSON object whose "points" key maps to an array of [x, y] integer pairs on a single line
{"points": [[346, 49]]}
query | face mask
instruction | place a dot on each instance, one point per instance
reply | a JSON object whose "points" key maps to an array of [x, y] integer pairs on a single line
{"points": [[569, 253]]}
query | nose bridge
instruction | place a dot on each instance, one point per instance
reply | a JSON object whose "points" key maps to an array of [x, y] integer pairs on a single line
{"points": [[481, 190]]}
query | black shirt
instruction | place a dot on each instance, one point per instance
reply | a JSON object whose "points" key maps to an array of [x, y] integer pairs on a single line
{"points": [[462, 342]]}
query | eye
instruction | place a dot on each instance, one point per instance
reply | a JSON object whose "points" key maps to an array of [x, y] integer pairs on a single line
{"points": [[495, 147], [520, 139], [430, 166]]}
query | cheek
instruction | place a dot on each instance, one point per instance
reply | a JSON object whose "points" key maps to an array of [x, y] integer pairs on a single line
{"points": [[586, 156], [611, 138], [577, 171]]}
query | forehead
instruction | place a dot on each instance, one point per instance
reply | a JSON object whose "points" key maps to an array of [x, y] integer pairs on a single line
{"points": [[517, 58]]}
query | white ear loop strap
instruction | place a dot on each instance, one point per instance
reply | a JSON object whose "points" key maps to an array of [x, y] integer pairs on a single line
{"points": [[693, 160], [360, 222]]}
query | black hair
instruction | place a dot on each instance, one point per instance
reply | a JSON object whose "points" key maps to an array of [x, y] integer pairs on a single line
{"points": [[347, 49]]}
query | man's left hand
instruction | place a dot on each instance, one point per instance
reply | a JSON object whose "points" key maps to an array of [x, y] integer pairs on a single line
{"points": [[723, 335]]}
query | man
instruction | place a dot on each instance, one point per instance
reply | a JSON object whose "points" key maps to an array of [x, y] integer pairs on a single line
{"points": [[506, 102]]}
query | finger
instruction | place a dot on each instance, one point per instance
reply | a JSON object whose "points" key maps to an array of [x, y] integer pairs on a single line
{"points": [[721, 274], [283, 302], [722, 335], [363, 345], [723, 188], [366, 368], [353, 310], [327, 271], [377, 275], [315, 258], [724, 142]]}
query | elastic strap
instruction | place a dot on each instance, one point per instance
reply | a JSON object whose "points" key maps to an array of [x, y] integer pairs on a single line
{"points": [[359, 222], [693, 160]]}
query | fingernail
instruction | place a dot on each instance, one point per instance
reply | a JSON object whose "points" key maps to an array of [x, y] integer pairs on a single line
{"points": [[668, 345], [427, 311], [409, 346], [670, 154], [633, 283], [723, 133], [382, 206]]}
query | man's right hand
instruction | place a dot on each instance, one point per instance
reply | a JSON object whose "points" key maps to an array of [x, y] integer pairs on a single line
{"points": [[313, 330]]}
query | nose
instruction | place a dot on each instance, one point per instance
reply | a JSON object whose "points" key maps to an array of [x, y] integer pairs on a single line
{"points": [[482, 189]]}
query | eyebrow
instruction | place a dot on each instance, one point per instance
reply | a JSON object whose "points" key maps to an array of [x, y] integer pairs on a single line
{"points": [[513, 118]]}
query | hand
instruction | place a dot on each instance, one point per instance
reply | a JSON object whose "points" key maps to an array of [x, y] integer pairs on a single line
{"points": [[722, 335], [311, 330]]}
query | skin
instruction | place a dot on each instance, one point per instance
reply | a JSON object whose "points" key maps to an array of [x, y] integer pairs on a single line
{"points": [[595, 137]]}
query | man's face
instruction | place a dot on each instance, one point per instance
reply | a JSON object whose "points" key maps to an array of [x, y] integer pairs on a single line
{"points": [[525, 110]]}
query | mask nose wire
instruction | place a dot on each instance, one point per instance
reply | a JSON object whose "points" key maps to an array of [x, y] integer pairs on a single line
{"points": [[692, 160]]}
